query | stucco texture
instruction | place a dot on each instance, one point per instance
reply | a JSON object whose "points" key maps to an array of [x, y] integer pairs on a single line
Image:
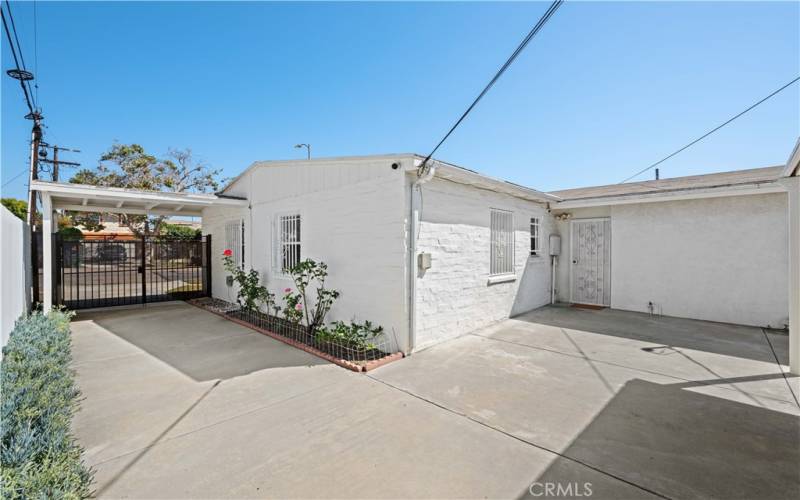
{"points": [[718, 259]]}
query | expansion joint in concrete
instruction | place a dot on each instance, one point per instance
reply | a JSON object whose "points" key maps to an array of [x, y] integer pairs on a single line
{"points": [[517, 438]]}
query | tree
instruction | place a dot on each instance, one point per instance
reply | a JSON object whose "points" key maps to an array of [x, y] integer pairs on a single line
{"points": [[130, 166], [16, 207], [179, 232], [69, 233]]}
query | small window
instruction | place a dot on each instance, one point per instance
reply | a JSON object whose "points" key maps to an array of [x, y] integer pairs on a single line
{"points": [[288, 233], [502, 242], [234, 240], [535, 236]]}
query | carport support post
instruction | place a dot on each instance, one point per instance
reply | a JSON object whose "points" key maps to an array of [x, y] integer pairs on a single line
{"points": [[793, 187], [47, 252]]}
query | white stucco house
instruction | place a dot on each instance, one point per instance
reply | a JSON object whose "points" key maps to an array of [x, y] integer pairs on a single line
{"points": [[440, 255], [711, 247], [433, 254]]}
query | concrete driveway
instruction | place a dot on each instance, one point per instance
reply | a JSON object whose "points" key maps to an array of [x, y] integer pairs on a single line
{"points": [[180, 403]]}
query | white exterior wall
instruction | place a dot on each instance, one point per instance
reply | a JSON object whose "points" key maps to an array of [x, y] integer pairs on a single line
{"points": [[564, 263], [718, 259], [352, 218], [453, 297], [14, 271], [213, 223]]}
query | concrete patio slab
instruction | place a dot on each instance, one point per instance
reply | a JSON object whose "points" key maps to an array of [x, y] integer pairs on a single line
{"points": [[675, 429], [485, 415], [740, 359]]}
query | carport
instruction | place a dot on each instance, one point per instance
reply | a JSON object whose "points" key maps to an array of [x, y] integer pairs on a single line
{"points": [[98, 199], [791, 181]]}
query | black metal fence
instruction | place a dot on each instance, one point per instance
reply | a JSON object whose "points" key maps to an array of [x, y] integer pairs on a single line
{"points": [[101, 273]]}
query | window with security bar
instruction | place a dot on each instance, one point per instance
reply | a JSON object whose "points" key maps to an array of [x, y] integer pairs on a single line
{"points": [[501, 230], [289, 246], [535, 236], [234, 240]]}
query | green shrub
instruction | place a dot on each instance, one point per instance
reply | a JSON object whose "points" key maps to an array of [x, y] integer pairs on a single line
{"points": [[310, 274], [251, 292], [354, 335], [179, 232], [70, 234], [39, 456]]}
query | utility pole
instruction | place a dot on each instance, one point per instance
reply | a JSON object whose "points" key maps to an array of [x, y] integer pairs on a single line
{"points": [[55, 161], [36, 137]]}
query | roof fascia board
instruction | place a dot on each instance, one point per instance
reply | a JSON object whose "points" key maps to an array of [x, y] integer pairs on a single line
{"points": [[320, 161], [102, 193], [466, 177], [741, 190], [793, 164], [124, 210]]}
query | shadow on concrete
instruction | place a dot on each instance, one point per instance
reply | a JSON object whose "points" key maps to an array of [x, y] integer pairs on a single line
{"points": [[677, 443], [141, 453], [198, 343], [719, 338]]}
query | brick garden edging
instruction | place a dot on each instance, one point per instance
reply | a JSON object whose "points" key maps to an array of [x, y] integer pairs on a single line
{"points": [[369, 365]]}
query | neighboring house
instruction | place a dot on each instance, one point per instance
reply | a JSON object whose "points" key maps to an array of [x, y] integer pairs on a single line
{"points": [[114, 229], [434, 257]]}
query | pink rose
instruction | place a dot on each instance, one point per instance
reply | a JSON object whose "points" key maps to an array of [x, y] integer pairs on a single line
{"points": [[298, 307], [228, 252], [287, 290]]}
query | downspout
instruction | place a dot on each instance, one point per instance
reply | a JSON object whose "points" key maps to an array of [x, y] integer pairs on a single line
{"points": [[249, 233], [423, 175], [553, 279]]}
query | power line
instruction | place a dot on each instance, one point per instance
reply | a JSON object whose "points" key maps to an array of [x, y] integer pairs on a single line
{"points": [[14, 28], [9, 181], [710, 131], [19, 46], [542, 21], [16, 61], [36, 51]]}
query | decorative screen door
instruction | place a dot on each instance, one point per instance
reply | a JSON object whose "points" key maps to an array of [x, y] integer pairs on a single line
{"points": [[590, 253]]}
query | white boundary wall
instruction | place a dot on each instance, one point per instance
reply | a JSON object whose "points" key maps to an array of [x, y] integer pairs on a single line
{"points": [[14, 268]]}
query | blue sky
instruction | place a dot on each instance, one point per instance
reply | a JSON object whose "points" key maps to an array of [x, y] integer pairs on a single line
{"points": [[603, 91]]}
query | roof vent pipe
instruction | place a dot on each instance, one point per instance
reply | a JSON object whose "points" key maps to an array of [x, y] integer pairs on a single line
{"points": [[657, 176]]}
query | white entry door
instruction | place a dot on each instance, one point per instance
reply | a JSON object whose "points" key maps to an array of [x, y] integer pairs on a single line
{"points": [[590, 253]]}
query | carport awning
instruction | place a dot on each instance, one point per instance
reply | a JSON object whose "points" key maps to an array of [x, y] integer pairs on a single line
{"points": [[85, 198]]}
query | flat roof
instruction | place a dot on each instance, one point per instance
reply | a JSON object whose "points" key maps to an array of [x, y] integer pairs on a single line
{"points": [[705, 181], [86, 198], [445, 170]]}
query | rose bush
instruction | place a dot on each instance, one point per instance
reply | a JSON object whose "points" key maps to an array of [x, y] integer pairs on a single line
{"points": [[251, 294], [309, 276]]}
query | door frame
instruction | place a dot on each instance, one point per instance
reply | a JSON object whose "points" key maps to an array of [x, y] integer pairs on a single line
{"points": [[572, 266]]}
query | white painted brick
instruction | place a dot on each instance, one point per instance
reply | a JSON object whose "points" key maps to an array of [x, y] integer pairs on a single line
{"points": [[453, 297]]}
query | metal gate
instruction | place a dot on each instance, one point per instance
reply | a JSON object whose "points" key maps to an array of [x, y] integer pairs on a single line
{"points": [[102, 273]]}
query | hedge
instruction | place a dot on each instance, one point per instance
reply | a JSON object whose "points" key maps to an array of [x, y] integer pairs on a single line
{"points": [[40, 457]]}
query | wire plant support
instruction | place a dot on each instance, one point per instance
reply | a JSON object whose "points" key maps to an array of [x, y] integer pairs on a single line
{"points": [[361, 356]]}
